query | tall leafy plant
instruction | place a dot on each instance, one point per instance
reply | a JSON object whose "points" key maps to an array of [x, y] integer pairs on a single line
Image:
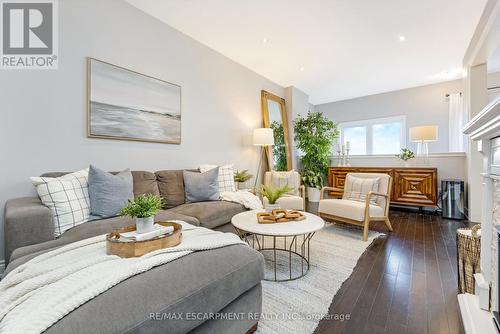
{"points": [[279, 148], [314, 136]]}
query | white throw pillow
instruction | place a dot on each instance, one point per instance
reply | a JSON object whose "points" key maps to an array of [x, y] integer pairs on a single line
{"points": [[67, 197], [226, 176], [357, 188]]}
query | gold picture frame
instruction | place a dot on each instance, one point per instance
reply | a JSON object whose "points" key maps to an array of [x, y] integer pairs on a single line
{"points": [[158, 120]]}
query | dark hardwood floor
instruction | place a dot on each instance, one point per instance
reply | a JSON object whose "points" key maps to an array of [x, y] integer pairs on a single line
{"points": [[404, 282]]}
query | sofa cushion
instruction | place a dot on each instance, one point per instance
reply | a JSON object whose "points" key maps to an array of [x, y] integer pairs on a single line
{"points": [[210, 214], [201, 187], [94, 228], [348, 209], [145, 183], [67, 197], [225, 177], [109, 193], [202, 282], [171, 187], [357, 188]]}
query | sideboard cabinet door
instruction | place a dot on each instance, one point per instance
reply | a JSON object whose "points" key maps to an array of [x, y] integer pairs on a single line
{"points": [[415, 186]]}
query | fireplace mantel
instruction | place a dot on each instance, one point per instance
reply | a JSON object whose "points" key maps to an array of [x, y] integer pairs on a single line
{"points": [[486, 124], [484, 127]]}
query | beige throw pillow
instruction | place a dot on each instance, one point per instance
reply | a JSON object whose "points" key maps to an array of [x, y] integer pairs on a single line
{"points": [[289, 178], [357, 188]]}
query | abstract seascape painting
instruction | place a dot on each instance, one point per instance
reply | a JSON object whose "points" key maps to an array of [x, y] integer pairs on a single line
{"points": [[126, 105]]}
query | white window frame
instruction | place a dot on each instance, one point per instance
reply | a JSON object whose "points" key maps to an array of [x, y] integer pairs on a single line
{"points": [[368, 124]]}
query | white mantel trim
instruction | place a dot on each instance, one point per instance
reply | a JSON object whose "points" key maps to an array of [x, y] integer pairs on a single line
{"points": [[475, 320], [486, 124]]}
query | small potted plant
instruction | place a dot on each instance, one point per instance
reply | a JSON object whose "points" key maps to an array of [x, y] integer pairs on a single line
{"points": [[143, 209], [241, 177], [406, 155], [314, 181], [273, 194]]}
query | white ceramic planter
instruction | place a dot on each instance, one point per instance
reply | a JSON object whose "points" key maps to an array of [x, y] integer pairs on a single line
{"points": [[271, 207], [144, 225], [313, 194]]}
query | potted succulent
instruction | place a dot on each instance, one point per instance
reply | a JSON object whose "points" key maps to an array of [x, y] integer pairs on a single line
{"points": [[314, 136], [241, 177], [273, 194], [406, 155], [143, 209]]}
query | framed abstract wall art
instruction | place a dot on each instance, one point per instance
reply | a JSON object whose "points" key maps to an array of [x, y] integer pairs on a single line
{"points": [[127, 105]]}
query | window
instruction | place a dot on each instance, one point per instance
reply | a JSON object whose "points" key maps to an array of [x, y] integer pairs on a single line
{"points": [[374, 136]]}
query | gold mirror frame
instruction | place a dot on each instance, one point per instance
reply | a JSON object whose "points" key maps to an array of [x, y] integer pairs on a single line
{"points": [[267, 124]]}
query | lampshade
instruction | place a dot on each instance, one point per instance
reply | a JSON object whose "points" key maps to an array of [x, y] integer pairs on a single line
{"points": [[263, 137], [426, 133]]}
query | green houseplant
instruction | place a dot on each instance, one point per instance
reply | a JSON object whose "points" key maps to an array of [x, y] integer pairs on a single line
{"points": [[241, 177], [279, 148], [143, 209], [314, 136], [273, 194], [406, 155]]}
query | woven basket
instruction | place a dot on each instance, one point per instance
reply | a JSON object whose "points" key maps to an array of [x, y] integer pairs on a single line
{"points": [[468, 257]]}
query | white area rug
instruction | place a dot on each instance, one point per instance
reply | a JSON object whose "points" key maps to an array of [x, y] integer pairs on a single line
{"points": [[298, 306]]}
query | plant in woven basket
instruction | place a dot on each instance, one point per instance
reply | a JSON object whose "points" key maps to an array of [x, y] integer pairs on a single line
{"points": [[143, 206], [273, 194]]}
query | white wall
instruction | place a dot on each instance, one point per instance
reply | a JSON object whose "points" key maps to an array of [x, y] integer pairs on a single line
{"points": [[44, 117], [297, 104], [422, 106]]}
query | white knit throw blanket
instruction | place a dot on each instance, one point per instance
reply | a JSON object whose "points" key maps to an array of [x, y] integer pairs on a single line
{"points": [[38, 293], [243, 197]]}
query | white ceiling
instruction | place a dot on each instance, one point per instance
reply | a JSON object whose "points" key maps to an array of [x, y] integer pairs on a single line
{"points": [[332, 49]]}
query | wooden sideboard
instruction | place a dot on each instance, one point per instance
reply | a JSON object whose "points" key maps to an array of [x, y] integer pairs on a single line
{"points": [[411, 186]]}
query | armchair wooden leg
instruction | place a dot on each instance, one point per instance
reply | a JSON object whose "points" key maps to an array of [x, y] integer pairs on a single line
{"points": [[365, 230], [388, 223]]}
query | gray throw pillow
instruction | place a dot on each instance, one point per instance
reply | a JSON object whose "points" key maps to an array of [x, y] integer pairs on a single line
{"points": [[109, 193], [200, 187]]}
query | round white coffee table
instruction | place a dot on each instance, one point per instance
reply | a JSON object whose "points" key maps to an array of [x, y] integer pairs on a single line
{"points": [[293, 235]]}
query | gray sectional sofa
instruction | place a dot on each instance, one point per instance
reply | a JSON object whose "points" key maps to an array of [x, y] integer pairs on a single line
{"points": [[225, 280]]}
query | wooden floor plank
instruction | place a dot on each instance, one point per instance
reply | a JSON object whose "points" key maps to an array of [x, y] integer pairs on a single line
{"points": [[406, 282]]}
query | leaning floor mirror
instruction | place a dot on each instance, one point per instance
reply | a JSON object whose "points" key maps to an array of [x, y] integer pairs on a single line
{"points": [[274, 116]]}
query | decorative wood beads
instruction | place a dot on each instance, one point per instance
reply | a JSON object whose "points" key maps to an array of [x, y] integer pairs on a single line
{"points": [[279, 216]]}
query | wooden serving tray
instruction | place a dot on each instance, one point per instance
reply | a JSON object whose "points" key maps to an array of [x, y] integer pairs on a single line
{"points": [[138, 248], [279, 216]]}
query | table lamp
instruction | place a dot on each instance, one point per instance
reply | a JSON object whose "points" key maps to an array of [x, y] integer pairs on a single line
{"points": [[423, 135], [262, 137]]}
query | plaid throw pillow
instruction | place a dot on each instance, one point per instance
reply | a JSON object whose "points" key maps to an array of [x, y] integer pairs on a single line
{"points": [[225, 178], [357, 188], [67, 197]]}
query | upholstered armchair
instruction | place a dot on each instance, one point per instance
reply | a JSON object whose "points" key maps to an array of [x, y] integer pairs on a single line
{"points": [[295, 200], [365, 199]]}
